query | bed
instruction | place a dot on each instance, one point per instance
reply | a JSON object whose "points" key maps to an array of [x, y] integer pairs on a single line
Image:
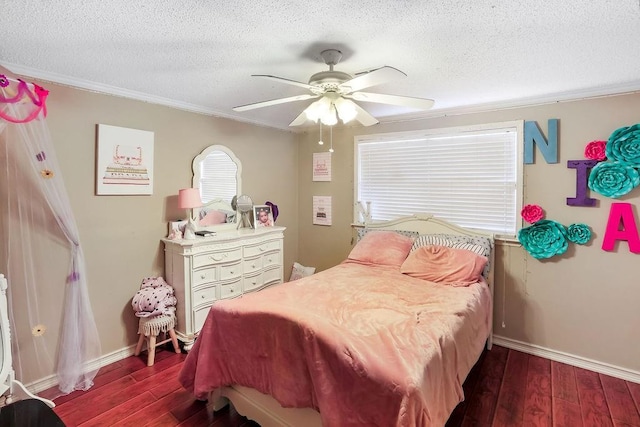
{"points": [[375, 340]]}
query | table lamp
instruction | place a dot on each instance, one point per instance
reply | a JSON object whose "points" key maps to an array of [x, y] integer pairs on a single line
{"points": [[189, 198]]}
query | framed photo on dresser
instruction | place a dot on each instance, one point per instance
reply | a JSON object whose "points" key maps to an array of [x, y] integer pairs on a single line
{"points": [[262, 216]]}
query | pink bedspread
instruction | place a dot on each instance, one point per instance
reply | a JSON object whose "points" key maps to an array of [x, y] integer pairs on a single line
{"points": [[364, 345]]}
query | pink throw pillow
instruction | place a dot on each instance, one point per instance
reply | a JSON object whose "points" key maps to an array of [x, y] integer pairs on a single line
{"points": [[382, 248], [440, 264], [213, 217]]}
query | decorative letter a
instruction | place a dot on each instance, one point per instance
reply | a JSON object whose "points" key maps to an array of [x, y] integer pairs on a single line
{"points": [[621, 226]]}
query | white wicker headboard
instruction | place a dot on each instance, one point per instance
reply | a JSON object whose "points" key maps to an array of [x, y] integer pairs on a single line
{"points": [[428, 224]]}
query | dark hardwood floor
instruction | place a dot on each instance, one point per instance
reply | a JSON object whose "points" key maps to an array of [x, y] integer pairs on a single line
{"points": [[505, 388]]}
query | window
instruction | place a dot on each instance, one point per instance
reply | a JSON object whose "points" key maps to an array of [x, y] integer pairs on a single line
{"points": [[470, 176]]}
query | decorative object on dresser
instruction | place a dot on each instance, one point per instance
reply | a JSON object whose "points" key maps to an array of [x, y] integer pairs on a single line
{"points": [[243, 204], [226, 265], [189, 198], [263, 216]]}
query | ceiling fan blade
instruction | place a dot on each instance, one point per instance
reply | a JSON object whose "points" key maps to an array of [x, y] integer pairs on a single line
{"points": [[402, 101], [301, 119], [371, 78], [283, 80], [274, 102], [364, 117]]}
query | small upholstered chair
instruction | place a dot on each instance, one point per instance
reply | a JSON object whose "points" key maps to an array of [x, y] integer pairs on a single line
{"points": [[149, 328]]}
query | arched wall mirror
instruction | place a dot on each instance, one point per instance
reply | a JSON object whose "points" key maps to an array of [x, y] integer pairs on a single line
{"points": [[217, 172]]}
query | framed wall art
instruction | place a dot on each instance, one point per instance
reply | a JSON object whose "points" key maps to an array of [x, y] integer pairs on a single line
{"points": [[321, 210], [322, 166], [124, 161]]}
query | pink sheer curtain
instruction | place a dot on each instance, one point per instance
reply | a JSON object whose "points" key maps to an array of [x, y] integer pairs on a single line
{"points": [[53, 327]]}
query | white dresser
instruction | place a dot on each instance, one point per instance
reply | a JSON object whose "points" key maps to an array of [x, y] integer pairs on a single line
{"points": [[226, 265]]}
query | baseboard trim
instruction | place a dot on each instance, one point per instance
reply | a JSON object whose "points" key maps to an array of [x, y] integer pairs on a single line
{"points": [[569, 359], [52, 380]]}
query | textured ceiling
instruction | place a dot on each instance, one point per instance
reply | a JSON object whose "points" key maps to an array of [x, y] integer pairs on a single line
{"points": [[200, 55]]}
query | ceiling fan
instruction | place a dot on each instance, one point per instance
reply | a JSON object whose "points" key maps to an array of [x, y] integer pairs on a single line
{"points": [[337, 92]]}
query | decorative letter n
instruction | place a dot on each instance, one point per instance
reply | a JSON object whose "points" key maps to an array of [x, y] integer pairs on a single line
{"points": [[533, 135], [621, 214]]}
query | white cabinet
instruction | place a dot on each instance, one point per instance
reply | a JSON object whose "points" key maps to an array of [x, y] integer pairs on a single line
{"points": [[226, 265]]}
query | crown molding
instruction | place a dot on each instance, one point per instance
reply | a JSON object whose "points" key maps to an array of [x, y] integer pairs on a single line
{"points": [[575, 95], [568, 96], [77, 83]]}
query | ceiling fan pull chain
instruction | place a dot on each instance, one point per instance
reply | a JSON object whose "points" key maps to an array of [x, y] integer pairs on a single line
{"points": [[331, 139], [320, 142]]}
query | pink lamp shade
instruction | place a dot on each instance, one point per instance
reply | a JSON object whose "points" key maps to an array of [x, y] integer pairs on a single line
{"points": [[189, 198]]}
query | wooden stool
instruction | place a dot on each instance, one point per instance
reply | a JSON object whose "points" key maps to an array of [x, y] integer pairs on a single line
{"points": [[150, 328]]}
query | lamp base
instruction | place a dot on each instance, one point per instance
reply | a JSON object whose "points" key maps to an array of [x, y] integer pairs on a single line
{"points": [[189, 230]]}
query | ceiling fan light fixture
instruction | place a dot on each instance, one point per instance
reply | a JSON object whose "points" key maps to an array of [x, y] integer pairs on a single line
{"points": [[318, 109], [329, 118], [346, 109]]}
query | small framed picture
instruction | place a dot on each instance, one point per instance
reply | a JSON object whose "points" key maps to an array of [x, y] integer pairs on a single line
{"points": [[176, 229], [262, 216]]}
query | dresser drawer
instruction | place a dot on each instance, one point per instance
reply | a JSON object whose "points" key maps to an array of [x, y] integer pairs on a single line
{"points": [[231, 290], [212, 258], [261, 248], [252, 282], [252, 265], [230, 271], [272, 276], [199, 316], [206, 275], [271, 259], [204, 295]]}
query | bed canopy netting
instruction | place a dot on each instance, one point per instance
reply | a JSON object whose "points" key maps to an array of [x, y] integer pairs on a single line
{"points": [[53, 331]]}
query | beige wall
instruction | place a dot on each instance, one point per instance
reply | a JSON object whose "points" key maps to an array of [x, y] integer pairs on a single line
{"points": [[121, 234], [584, 303]]}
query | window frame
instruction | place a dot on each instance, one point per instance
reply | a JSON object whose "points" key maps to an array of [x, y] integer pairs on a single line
{"points": [[518, 125]]}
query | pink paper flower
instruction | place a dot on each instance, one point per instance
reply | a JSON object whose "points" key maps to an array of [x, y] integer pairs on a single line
{"points": [[595, 150], [532, 213]]}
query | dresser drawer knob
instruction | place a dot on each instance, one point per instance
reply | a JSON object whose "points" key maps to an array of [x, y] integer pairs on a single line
{"points": [[262, 249], [253, 266], [231, 291], [204, 296], [203, 276], [217, 257]]}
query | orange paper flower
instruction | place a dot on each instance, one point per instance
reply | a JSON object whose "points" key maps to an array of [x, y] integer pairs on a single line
{"points": [[38, 330]]}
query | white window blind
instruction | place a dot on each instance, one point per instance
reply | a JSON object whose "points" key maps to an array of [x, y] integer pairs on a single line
{"points": [[469, 176], [214, 178]]}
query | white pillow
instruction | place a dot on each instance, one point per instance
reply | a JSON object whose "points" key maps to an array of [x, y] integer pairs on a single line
{"points": [[299, 271]]}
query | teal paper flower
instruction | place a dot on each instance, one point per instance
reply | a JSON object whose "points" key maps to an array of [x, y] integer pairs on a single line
{"points": [[579, 233], [544, 239], [624, 145], [613, 179]]}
